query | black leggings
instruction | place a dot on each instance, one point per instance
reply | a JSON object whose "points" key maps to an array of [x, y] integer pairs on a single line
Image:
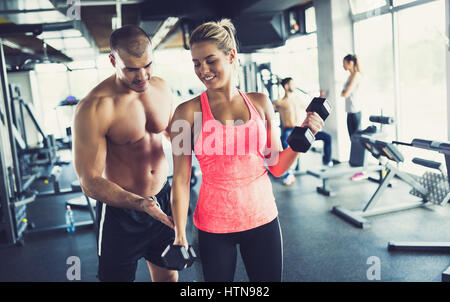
{"points": [[261, 250], [353, 122]]}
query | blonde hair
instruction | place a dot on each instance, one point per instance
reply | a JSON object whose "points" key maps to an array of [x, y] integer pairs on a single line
{"points": [[222, 33]]}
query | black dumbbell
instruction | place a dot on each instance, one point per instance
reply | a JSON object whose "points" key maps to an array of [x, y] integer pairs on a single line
{"points": [[176, 257], [301, 138], [192, 256]]}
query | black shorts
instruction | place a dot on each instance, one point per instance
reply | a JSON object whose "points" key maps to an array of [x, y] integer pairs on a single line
{"points": [[125, 236]]}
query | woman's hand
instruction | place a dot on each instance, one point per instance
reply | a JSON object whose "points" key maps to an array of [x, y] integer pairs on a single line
{"points": [[313, 121]]}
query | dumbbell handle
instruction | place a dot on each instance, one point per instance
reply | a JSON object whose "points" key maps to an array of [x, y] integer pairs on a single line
{"points": [[322, 107], [301, 138], [192, 256]]}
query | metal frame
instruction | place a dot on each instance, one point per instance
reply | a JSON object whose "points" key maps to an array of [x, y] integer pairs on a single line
{"points": [[7, 102], [424, 246], [387, 9], [9, 184], [13, 196], [386, 153], [6, 221], [357, 218], [325, 174]]}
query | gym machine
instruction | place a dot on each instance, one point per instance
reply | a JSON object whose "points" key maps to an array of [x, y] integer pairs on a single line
{"points": [[38, 160], [437, 184], [357, 156], [26, 166], [47, 165], [13, 201], [386, 153], [268, 79]]}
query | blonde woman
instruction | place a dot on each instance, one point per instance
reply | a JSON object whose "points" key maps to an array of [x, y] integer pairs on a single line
{"points": [[236, 205]]}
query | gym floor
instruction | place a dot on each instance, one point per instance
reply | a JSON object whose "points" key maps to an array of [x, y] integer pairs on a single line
{"points": [[318, 246]]}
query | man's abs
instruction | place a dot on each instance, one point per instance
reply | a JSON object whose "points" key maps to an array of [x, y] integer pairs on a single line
{"points": [[140, 168], [287, 119]]}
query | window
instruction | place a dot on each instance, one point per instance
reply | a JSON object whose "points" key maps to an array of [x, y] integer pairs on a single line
{"points": [[420, 97], [422, 72], [297, 59], [422, 79], [373, 47], [310, 19], [73, 43], [176, 67], [56, 83], [88, 78], [401, 2], [104, 67], [53, 88], [362, 6]]}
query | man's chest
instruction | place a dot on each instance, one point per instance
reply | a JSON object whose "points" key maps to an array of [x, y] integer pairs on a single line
{"points": [[133, 120]]}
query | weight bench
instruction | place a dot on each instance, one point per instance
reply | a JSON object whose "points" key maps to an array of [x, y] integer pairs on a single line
{"points": [[384, 152], [325, 174], [438, 186]]}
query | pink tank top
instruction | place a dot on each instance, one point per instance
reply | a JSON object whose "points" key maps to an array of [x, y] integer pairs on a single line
{"points": [[236, 192]]}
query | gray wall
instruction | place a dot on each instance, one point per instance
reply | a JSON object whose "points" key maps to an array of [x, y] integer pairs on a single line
{"points": [[447, 15], [334, 41]]}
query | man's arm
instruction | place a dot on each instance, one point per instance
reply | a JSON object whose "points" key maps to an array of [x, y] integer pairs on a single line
{"points": [[91, 122], [276, 105]]}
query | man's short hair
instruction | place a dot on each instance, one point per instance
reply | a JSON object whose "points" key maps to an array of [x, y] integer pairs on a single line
{"points": [[130, 34], [285, 81]]}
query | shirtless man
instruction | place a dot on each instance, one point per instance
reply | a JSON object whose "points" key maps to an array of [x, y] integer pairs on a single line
{"points": [[292, 109], [119, 159]]}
